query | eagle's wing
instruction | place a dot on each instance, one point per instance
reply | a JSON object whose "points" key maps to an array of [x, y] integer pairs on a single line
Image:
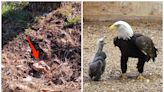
{"points": [[145, 44]]}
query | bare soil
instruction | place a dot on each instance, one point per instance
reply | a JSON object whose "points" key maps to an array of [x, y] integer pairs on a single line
{"points": [[110, 81]]}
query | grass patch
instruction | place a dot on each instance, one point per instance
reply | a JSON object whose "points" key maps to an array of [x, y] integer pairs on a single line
{"points": [[8, 6], [72, 21], [13, 12], [14, 19]]}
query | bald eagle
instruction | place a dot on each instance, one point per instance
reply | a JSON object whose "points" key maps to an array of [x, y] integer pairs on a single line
{"points": [[133, 45]]}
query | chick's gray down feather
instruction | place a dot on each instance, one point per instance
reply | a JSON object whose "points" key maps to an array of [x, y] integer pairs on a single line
{"points": [[97, 66]]}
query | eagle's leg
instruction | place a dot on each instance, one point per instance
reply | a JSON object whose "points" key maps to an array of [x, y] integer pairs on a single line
{"points": [[124, 60], [140, 67]]}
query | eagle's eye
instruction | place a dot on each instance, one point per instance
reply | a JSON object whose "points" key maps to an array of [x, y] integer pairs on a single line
{"points": [[118, 25]]}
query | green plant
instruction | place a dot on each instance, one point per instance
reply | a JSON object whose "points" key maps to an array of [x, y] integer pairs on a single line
{"points": [[9, 6], [12, 12], [72, 21]]}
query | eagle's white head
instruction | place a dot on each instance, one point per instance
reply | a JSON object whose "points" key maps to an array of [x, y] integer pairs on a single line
{"points": [[123, 28]]}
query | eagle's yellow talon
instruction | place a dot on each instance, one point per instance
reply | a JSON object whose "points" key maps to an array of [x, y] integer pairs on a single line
{"points": [[123, 77], [141, 78]]}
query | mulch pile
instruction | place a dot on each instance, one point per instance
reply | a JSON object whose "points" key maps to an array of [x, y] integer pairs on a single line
{"points": [[59, 43]]}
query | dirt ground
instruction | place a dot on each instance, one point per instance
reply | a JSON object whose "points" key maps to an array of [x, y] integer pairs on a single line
{"points": [[57, 34], [110, 81]]}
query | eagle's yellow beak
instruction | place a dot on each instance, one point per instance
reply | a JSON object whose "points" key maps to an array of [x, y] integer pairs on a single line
{"points": [[112, 27]]}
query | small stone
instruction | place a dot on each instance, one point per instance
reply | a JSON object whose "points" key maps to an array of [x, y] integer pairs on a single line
{"points": [[133, 80], [147, 80], [19, 66], [2, 66], [113, 89], [9, 72], [28, 78]]}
